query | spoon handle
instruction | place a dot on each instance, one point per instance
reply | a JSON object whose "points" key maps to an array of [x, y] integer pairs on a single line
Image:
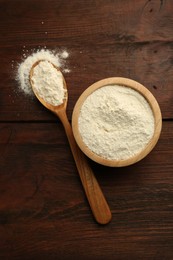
{"points": [[92, 189]]}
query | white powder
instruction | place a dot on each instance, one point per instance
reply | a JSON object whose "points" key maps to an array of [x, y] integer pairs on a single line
{"points": [[48, 83], [25, 67], [66, 70], [64, 54], [116, 122]]}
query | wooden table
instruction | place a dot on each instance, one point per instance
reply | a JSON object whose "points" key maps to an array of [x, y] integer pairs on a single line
{"points": [[44, 213]]}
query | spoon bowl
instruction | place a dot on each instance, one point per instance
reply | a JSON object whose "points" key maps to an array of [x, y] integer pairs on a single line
{"points": [[42, 101], [91, 187]]}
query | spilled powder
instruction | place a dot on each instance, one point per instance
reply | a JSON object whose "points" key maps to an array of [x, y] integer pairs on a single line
{"points": [[24, 68], [64, 54]]}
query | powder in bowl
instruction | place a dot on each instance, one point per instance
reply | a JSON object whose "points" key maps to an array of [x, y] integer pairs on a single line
{"points": [[116, 122]]}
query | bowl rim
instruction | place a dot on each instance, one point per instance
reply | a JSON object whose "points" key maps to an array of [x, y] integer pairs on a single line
{"points": [[126, 82]]}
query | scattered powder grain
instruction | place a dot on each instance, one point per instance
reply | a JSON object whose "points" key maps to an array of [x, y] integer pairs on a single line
{"points": [[66, 70], [64, 54], [48, 83], [25, 67], [116, 122]]}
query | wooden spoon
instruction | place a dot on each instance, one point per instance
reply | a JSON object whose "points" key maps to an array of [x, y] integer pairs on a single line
{"points": [[92, 189]]}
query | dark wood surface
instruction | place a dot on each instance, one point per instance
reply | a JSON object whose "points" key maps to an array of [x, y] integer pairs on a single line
{"points": [[43, 210]]}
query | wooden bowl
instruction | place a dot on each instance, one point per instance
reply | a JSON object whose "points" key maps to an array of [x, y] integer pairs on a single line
{"points": [[127, 83]]}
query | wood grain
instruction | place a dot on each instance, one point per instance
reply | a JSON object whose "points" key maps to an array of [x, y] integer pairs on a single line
{"points": [[115, 39], [43, 210], [44, 213]]}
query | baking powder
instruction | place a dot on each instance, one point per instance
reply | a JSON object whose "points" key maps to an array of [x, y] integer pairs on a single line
{"points": [[57, 58], [48, 83], [116, 122]]}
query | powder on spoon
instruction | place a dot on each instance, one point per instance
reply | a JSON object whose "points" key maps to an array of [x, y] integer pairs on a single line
{"points": [[25, 67], [116, 122], [48, 83]]}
